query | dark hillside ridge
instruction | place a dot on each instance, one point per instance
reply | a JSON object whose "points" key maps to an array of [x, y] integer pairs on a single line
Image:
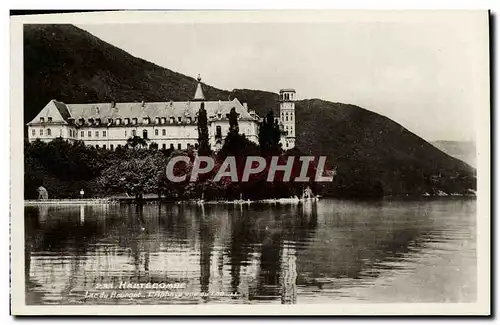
{"points": [[373, 155]]}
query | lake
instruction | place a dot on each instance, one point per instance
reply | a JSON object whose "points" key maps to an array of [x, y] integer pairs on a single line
{"points": [[315, 252]]}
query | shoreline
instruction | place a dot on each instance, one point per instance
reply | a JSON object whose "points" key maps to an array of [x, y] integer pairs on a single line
{"points": [[97, 201]]}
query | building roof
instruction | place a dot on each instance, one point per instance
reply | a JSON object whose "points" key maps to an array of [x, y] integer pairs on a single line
{"points": [[287, 90], [105, 111]]}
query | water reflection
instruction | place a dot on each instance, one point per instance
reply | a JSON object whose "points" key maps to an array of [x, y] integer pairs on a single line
{"points": [[312, 252]]}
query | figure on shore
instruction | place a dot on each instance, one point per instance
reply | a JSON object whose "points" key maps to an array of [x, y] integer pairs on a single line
{"points": [[42, 193]]}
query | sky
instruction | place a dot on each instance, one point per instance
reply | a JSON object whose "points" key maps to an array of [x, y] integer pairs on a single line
{"points": [[427, 75]]}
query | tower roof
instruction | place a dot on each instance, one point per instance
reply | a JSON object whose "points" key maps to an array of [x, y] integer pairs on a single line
{"points": [[198, 95]]}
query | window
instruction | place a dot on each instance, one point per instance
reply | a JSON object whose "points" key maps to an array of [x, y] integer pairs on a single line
{"points": [[97, 146], [179, 146], [82, 134], [89, 134], [119, 146], [171, 146], [42, 119], [196, 146], [219, 115], [156, 132], [179, 119], [172, 120], [104, 133], [110, 121], [286, 117], [163, 132], [144, 134], [125, 133], [157, 120], [111, 147], [163, 120], [97, 134], [49, 119], [164, 146], [33, 132], [104, 146], [145, 120], [189, 119], [98, 121], [49, 132], [41, 131], [134, 121], [133, 133], [188, 145], [126, 121], [218, 131], [118, 121]]}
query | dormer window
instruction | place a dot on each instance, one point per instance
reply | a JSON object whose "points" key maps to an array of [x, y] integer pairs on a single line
{"points": [[157, 120], [163, 120], [172, 120], [81, 121], [127, 121], [179, 119], [145, 120], [110, 121], [118, 121], [91, 121], [42, 119], [219, 115], [134, 121], [189, 119], [49, 119], [98, 121]]}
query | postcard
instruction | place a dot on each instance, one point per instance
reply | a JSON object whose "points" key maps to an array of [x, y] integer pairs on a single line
{"points": [[250, 163]]}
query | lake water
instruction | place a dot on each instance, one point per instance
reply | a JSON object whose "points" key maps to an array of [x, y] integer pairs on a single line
{"points": [[317, 252]]}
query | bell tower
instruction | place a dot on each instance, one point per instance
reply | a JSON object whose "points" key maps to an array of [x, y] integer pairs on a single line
{"points": [[287, 117]]}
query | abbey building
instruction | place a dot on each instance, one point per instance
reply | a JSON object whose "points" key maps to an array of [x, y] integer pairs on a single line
{"points": [[168, 124]]}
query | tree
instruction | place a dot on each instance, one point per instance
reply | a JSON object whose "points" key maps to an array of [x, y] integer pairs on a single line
{"points": [[269, 135], [203, 141], [137, 141], [136, 176], [234, 129]]}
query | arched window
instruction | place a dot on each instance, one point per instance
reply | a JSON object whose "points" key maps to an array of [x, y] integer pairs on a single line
{"points": [[156, 131], [49, 132], [179, 146], [218, 131], [163, 132], [134, 133], [145, 134]]}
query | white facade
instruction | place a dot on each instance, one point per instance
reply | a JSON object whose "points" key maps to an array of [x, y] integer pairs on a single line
{"points": [[168, 124]]}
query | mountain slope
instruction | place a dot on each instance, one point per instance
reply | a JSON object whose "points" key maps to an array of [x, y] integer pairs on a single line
{"points": [[463, 150], [372, 153]]}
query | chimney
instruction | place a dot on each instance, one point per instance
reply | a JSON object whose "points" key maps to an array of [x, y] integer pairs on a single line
{"points": [[142, 104]]}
